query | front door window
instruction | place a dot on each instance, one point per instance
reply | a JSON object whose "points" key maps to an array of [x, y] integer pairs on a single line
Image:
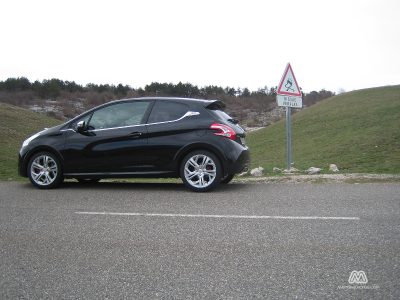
{"points": [[119, 115]]}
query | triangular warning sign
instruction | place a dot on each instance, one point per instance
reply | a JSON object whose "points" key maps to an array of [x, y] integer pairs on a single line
{"points": [[288, 85]]}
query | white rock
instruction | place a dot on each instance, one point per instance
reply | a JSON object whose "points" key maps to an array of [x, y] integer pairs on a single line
{"points": [[333, 168], [291, 170], [276, 170], [313, 170], [257, 172]]}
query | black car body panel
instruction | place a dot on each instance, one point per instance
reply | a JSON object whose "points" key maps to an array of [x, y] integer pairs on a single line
{"points": [[165, 131]]}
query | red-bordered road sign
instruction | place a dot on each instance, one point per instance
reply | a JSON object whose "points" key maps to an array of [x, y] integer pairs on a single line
{"points": [[288, 85]]}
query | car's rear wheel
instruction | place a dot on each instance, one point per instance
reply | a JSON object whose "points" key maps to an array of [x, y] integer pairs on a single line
{"points": [[227, 178], [200, 171], [44, 170]]}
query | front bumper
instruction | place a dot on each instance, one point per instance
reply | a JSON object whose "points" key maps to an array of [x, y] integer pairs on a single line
{"points": [[21, 167]]}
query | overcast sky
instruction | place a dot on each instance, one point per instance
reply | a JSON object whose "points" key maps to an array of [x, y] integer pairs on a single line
{"points": [[340, 44]]}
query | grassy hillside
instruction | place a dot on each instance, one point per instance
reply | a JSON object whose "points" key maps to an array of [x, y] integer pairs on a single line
{"points": [[359, 131], [16, 124]]}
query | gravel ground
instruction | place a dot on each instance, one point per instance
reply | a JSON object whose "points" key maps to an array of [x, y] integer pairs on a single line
{"points": [[353, 178]]}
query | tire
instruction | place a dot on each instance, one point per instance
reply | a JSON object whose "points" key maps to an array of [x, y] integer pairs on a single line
{"points": [[88, 180], [201, 171], [227, 179], [44, 170]]}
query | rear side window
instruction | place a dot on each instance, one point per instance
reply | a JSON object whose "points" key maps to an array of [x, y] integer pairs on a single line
{"points": [[164, 111]]}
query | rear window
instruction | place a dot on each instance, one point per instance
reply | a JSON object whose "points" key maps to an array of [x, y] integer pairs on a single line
{"points": [[223, 116]]}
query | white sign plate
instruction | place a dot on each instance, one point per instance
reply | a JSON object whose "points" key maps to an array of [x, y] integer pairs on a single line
{"points": [[289, 101]]}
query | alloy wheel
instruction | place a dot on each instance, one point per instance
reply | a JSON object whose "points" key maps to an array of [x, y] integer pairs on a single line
{"points": [[200, 171], [44, 170]]}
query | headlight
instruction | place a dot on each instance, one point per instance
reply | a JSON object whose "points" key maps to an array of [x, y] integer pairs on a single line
{"points": [[30, 139]]}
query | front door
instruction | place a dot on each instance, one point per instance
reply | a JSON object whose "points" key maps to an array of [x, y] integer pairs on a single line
{"points": [[114, 141]]}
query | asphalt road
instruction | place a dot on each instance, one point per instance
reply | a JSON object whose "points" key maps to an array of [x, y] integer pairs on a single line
{"points": [[241, 241]]}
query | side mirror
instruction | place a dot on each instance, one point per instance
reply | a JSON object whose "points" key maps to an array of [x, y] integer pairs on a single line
{"points": [[80, 126]]}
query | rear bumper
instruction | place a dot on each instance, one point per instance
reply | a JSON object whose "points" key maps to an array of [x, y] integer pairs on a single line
{"points": [[241, 163]]}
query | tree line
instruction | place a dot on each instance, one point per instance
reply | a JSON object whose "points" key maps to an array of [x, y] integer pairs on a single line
{"points": [[52, 88], [241, 102]]}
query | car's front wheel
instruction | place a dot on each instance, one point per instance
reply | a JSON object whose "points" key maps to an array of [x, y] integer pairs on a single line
{"points": [[201, 171], [44, 170]]}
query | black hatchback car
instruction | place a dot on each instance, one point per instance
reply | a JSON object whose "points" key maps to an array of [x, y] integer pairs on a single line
{"points": [[144, 137]]}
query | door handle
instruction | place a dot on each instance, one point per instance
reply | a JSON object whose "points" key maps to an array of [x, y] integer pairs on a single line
{"points": [[135, 135]]}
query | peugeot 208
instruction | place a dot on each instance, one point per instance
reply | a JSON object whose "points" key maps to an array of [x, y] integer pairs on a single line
{"points": [[144, 137]]}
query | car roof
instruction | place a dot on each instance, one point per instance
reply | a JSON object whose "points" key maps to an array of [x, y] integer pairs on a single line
{"points": [[211, 104], [179, 99]]}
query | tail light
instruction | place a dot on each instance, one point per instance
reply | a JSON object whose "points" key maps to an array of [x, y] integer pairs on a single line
{"points": [[223, 130]]}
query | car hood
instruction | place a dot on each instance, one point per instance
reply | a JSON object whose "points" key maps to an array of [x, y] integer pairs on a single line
{"points": [[51, 130], [46, 131]]}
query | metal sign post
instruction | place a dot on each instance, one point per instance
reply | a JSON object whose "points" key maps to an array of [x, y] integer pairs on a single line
{"points": [[288, 137], [289, 95]]}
